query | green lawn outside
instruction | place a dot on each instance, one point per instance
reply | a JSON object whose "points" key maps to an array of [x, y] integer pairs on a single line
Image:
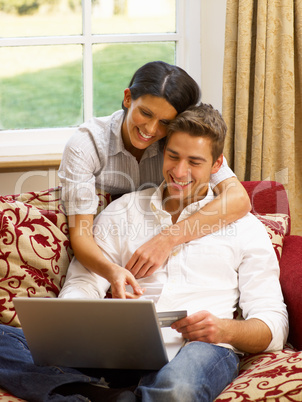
{"points": [[52, 97]]}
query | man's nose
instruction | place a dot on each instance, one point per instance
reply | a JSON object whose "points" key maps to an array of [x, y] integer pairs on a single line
{"points": [[181, 169]]}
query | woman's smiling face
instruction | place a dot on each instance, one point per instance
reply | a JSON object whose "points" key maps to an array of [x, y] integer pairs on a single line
{"points": [[146, 120]]}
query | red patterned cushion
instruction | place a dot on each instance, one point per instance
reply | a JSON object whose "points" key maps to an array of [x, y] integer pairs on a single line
{"points": [[267, 377], [276, 226], [34, 247], [6, 397]]}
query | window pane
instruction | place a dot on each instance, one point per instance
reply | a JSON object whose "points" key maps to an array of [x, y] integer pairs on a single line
{"points": [[40, 18], [133, 16], [40, 86], [114, 65]]}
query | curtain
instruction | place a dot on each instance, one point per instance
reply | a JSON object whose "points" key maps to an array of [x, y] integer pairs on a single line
{"points": [[262, 94]]}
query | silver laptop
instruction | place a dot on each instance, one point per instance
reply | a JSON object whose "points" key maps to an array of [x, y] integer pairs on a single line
{"points": [[108, 333]]}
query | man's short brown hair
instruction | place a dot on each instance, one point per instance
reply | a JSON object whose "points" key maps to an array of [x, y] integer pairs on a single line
{"points": [[201, 121]]}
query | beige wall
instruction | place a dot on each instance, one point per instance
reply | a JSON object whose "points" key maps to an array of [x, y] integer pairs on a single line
{"points": [[20, 182]]}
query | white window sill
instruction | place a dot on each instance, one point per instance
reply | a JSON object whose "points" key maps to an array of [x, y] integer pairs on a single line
{"points": [[32, 149]]}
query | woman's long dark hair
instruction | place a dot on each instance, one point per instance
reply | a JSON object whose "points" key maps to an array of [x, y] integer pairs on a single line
{"points": [[166, 81]]}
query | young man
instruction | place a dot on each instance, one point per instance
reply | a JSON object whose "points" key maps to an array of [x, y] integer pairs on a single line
{"points": [[208, 277]]}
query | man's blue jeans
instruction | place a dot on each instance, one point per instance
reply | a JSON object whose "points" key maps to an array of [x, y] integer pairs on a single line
{"points": [[199, 372]]}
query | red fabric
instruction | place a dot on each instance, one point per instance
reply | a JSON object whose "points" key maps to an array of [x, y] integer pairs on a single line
{"points": [[291, 282], [267, 197], [271, 197]]}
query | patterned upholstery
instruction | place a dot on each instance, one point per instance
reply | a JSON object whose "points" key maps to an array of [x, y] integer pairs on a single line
{"points": [[35, 253], [35, 250], [276, 226], [267, 377]]}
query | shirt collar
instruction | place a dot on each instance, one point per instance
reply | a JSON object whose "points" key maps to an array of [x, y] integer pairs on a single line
{"points": [[116, 144], [156, 203]]}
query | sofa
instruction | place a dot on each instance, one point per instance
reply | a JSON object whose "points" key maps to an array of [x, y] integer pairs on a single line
{"points": [[35, 253]]}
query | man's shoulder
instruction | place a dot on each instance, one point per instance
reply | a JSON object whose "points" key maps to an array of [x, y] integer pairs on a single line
{"points": [[143, 194], [249, 220], [251, 228], [136, 201]]}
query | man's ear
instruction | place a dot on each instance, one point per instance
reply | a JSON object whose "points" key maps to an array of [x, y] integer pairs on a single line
{"points": [[127, 98], [217, 164]]}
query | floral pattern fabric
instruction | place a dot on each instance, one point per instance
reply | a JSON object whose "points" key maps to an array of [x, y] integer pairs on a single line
{"points": [[34, 247], [276, 226], [267, 377]]}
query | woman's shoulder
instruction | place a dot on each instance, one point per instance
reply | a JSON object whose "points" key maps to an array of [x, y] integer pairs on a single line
{"points": [[98, 125], [96, 132]]}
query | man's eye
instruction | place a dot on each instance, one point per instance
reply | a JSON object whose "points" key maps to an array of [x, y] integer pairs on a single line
{"points": [[164, 122], [145, 113]]}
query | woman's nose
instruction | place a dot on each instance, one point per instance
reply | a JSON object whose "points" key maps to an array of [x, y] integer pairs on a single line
{"points": [[152, 126]]}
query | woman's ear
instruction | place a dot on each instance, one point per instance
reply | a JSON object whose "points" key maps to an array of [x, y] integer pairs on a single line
{"points": [[217, 164], [127, 98]]}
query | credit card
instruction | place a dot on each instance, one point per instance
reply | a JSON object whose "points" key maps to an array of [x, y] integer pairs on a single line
{"points": [[167, 318]]}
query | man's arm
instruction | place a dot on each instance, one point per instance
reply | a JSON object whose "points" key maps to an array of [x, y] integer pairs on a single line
{"points": [[266, 321], [250, 336]]}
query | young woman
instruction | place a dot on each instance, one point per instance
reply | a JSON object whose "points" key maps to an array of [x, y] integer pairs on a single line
{"points": [[120, 153]]}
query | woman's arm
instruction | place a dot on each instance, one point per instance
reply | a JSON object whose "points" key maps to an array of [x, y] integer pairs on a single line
{"points": [[231, 203], [88, 253]]}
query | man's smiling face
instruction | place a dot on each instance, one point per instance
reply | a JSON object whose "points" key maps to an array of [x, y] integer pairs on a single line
{"points": [[188, 165]]}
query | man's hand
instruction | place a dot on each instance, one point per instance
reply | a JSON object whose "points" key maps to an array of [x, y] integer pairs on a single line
{"points": [[202, 326], [120, 277], [151, 255], [251, 335]]}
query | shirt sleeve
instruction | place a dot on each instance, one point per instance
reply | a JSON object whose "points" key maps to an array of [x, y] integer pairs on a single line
{"points": [[109, 229], [81, 283], [225, 172], [260, 290], [76, 173], [108, 232]]}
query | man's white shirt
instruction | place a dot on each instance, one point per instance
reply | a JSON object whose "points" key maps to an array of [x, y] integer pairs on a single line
{"points": [[213, 273]]}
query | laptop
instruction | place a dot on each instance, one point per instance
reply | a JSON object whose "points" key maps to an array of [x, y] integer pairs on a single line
{"points": [[103, 333]]}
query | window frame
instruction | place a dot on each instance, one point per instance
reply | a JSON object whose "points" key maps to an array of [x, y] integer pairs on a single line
{"points": [[45, 146]]}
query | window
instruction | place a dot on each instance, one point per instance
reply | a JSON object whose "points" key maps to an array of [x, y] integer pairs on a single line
{"points": [[63, 61]]}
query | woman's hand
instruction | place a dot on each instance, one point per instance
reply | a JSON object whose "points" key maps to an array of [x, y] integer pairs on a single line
{"points": [[89, 254], [120, 277], [151, 255]]}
